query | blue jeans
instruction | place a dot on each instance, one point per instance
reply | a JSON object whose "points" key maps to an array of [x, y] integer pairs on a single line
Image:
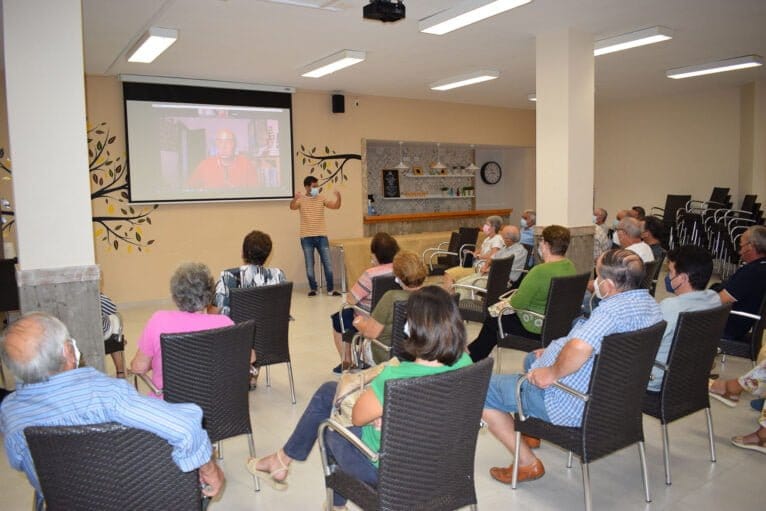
{"points": [[501, 394], [348, 457], [320, 243]]}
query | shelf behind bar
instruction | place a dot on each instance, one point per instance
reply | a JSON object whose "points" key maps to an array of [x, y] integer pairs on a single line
{"points": [[441, 215]]}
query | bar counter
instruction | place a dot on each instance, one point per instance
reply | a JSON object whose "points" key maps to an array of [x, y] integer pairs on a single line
{"points": [[439, 221]]}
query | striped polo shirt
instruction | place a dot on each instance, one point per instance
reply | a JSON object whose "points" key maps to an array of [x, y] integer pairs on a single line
{"points": [[312, 216]]}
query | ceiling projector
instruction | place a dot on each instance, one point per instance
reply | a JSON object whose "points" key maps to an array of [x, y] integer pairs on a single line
{"points": [[384, 10]]}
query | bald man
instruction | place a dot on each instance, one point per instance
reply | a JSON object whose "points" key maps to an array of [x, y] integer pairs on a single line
{"points": [[53, 391], [225, 169]]}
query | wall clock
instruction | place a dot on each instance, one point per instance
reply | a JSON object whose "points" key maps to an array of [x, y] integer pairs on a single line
{"points": [[491, 172]]}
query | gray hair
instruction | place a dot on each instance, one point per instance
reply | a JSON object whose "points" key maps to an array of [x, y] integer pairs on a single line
{"points": [[192, 287], [511, 233], [531, 214], [49, 357], [622, 267], [758, 238], [601, 212], [631, 226], [495, 222]]}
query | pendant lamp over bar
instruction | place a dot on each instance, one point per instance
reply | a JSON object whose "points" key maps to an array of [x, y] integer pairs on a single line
{"points": [[438, 165], [401, 165]]}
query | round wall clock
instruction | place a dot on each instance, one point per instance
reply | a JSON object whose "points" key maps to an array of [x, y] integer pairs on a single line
{"points": [[491, 172]]}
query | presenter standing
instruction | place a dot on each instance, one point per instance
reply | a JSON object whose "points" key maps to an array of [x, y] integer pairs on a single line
{"points": [[313, 231]]}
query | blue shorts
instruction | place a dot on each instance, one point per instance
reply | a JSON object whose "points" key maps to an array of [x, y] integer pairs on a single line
{"points": [[501, 394]]}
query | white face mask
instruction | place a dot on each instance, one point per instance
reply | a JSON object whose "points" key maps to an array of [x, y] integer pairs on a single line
{"points": [[314, 192], [540, 250], [597, 288], [523, 223], [407, 329], [616, 239], [76, 353], [399, 281]]}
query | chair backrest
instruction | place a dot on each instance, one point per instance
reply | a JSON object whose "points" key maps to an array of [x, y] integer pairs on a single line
{"points": [[380, 286], [211, 369], [450, 260], [9, 290], [269, 308], [109, 467], [656, 273], [695, 345], [497, 279], [612, 418], [672, 204], [720, 195], [397, 331], [650, 269], [748, 203], [428, 440], [468, 236], [564, 304]]}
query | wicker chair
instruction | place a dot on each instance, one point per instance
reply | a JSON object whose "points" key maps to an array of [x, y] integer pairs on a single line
{"points": [[211, 369], [425, 464], [750, 345], [564, 305], [447, 255], [612, 417], [269, 307], [685, 384], [109, 467], [475, 309]]}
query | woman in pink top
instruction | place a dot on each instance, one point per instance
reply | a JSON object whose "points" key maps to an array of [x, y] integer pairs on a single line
{"points": [[192, 288]]}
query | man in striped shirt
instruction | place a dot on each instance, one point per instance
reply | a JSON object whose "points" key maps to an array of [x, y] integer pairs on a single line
{"points": [[53, 391], [313, 231]]}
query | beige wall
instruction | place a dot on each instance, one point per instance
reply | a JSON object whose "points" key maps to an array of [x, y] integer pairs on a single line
{"points": [[212, 233], [649, 148]]}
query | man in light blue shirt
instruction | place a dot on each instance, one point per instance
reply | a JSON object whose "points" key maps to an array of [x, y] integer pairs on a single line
{"points": [[53, 391], [624, 307], [689, 270]]}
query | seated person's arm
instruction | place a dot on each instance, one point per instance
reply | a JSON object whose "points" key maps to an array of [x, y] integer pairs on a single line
{"points": [[211, 476], [368, 326], [366, 409], [141, 363], [726, 297], [574, 354]]}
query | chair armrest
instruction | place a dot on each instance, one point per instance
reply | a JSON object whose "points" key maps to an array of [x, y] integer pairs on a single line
{"points": [[570, 390], [463, 248], [345, 433], [469, 287], [436, 253], [746, 315], [531, 313], [508, 294], [660, 365], [147, 382]]}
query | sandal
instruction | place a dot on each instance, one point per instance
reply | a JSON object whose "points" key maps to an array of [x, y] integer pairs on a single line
{"points": [[760, 446], [266, 476], [726, 398]]}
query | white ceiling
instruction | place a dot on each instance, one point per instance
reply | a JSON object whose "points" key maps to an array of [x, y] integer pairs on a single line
{"points": [[255, 41]]}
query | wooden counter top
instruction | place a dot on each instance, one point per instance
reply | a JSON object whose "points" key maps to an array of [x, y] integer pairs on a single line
{"points": [[441, 215]]}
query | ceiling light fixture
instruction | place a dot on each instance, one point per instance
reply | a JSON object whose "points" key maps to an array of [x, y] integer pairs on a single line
{"points": [[465, 13], [463, 80], [719, 66], [532, 97], [438, 165], [334, 62], [152, 44], [401, 165], [632, 40]]}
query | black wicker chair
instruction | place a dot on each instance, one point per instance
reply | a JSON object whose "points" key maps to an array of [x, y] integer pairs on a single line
{"points": [[269, 307], [612, 417], [211, 368], [564, 305], [447, 255], [650, 270], [475, 309], [685, 384], [750, 345], [352, 341], [109, 467], [428, 443]]}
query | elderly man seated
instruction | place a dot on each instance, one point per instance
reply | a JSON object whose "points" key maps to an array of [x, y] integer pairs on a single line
{"points": [[625, 307], [53, 391]]}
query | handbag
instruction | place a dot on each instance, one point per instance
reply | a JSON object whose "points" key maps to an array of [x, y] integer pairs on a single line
{"points": [[350, 387]]}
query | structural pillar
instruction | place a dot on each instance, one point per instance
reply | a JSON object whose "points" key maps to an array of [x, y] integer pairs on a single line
{"points": [[565, 119], [45, 92]]}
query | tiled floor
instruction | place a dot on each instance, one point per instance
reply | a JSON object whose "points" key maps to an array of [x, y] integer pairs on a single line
{"points": [[698, 484]]}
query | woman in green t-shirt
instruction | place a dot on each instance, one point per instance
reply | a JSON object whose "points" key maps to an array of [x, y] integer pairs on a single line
{"points": [[436, 344]]}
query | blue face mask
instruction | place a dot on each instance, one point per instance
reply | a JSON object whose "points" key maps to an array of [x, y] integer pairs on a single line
{"points": [[669, 284], [594, 218], [314, 192], [523, 223]]}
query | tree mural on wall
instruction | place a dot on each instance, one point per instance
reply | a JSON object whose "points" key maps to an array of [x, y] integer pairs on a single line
{"points": [[120, 225], [328, 167]]}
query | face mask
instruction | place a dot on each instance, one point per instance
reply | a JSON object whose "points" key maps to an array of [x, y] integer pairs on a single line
{"points": [[540, 251], [594, 218], [669, 284], [615, 223], [597, 288], [616, 239], [76, 353], [399, 281], [485, 228], [523, 223], [314, 192], [407, 329]]}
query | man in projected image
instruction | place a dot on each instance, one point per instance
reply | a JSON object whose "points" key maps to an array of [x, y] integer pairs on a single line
{"points": [[225, 169]]}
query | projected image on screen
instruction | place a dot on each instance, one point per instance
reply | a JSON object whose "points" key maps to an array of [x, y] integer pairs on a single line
{"points": [[185, 151]]}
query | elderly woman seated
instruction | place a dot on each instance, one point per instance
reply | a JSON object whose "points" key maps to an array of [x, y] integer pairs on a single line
{"points": [[191, 287], [491, 244]]}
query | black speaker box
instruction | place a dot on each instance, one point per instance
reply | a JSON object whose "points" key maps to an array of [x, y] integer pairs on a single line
{"points": [[338, 104]]}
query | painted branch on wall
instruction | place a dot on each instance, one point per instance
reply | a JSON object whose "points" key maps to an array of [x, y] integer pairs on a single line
{"points": [[328, 167]]}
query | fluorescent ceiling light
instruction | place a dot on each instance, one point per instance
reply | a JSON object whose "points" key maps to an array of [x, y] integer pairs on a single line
{"points": [[333, 63], [715, 67], [632, 40], [465, 13], [532, 97], [463, 80], [152, 44]]}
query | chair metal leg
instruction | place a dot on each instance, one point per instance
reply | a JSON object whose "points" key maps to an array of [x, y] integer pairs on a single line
{"points": [[329, 503], [251, 446], [586, 486], [711, 436], [644, 472], [666, 453], [268, 377], [473, 507], [219, 450], [516, 461], [569, 460], [292, 384]]}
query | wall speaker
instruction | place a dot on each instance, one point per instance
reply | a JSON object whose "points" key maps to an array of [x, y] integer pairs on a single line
{"points": [[338, 104]]}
